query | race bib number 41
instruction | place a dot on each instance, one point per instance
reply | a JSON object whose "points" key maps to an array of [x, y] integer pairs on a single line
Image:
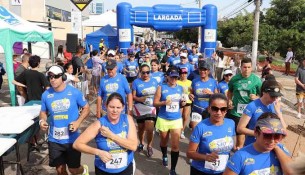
{"points": [[173, 107], [119, 160], [218, 165]]}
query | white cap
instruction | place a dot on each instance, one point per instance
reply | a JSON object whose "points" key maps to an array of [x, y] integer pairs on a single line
{"points": [[111, 52], [183, 55], [228, 71], [55, 70]]}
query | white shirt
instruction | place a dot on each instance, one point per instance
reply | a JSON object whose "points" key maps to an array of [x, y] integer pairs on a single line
{"points": [[70, 79], [289, 56]]}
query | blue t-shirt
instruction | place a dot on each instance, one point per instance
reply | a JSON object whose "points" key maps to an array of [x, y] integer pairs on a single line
{"points": [[207, 135], [173, 60], [249, 161], [159, 76], [202, 100], [108, 85], [62, 108], [193, 58], [172, 111], [131, 67], [145, 89], [187, 66], [121, 157], [223, 87], [254, 110]]}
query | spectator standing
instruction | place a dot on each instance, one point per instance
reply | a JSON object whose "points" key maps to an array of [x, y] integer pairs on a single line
{"points": [[34, 81], [300, 86], [2, 72], [288, 59]]}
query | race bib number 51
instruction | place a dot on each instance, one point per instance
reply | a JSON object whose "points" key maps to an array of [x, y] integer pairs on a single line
{"points": [[218, 165], [119, 160]]}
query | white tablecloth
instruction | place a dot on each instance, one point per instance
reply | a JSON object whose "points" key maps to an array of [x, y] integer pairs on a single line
{"points": [[6, 143], [30, 112]]}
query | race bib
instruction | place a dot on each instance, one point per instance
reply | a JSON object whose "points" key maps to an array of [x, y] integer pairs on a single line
{"points": [[148, 101], [218, 165], [173, 107], [196, 117], [132, 74], [61, 133], [176, 62], [240, 108], [119, 160]]}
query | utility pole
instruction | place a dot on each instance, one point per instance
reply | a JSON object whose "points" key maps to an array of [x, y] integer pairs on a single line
{"points": [[255, 33], [199, 28]]}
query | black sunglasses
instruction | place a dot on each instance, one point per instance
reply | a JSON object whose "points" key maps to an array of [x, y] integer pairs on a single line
{"points": [[145, 72], [54, 76], [109, 69], [228, 75], [216, 109]]}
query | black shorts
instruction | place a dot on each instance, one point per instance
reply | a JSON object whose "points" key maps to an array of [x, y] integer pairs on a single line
{"points": [[194, 171], [131, 79], [128, 171], [60, 154], [235, 119], [142, 119]]}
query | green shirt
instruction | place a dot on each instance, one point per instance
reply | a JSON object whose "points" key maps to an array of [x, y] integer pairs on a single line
{"points": [[241, 89]]}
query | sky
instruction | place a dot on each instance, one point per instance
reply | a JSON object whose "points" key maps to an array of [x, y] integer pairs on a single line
{"points": [[225, 7]]}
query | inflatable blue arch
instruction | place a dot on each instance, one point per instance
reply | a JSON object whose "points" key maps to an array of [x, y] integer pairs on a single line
{"points": [[167, 18]]}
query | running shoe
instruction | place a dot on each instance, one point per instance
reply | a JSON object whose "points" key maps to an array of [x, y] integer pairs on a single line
{"points": [[140, 147], [86, 170], [165, 161], [149, 151], [172, 172]]}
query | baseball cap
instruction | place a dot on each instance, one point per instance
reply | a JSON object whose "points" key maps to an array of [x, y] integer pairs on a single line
{"points": [[203, 64], [227, 71], [270, 126], [183, 55], [173, 72], [112, 52], [55, 70], [272, 88], [110, 64], [131, 54], [183, 70]]}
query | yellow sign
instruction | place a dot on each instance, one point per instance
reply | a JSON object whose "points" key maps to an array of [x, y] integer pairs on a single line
{"points": [[81, 4]]}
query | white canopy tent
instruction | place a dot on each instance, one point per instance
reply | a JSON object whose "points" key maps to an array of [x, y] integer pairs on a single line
{"points": [[101, 20], [15, 29]]}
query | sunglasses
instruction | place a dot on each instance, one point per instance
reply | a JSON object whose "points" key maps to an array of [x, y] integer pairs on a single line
{"points": [[228, 75], [145, 72], [203, 69], [216, 109], [182, 58], [54, 76], [110, 69], [275, 137]]}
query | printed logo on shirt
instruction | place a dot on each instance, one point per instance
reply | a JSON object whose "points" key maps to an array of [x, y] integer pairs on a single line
{"points": [[206, 134], [69, 93], [174, 97], [229, 129], [60, 117], [273, 170], [149, 91], [141, 85], [112, 145], [50, 96], [61, 105], [221, 145], [249, 161], [165, 91], [112, 87], [259, 110]]}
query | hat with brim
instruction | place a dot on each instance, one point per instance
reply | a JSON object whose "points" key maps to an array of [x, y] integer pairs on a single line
{"points": [[270, 126], [273, 92], [173, 73], [111, 64], [203, 65], [55, 70], [227, 72]]}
